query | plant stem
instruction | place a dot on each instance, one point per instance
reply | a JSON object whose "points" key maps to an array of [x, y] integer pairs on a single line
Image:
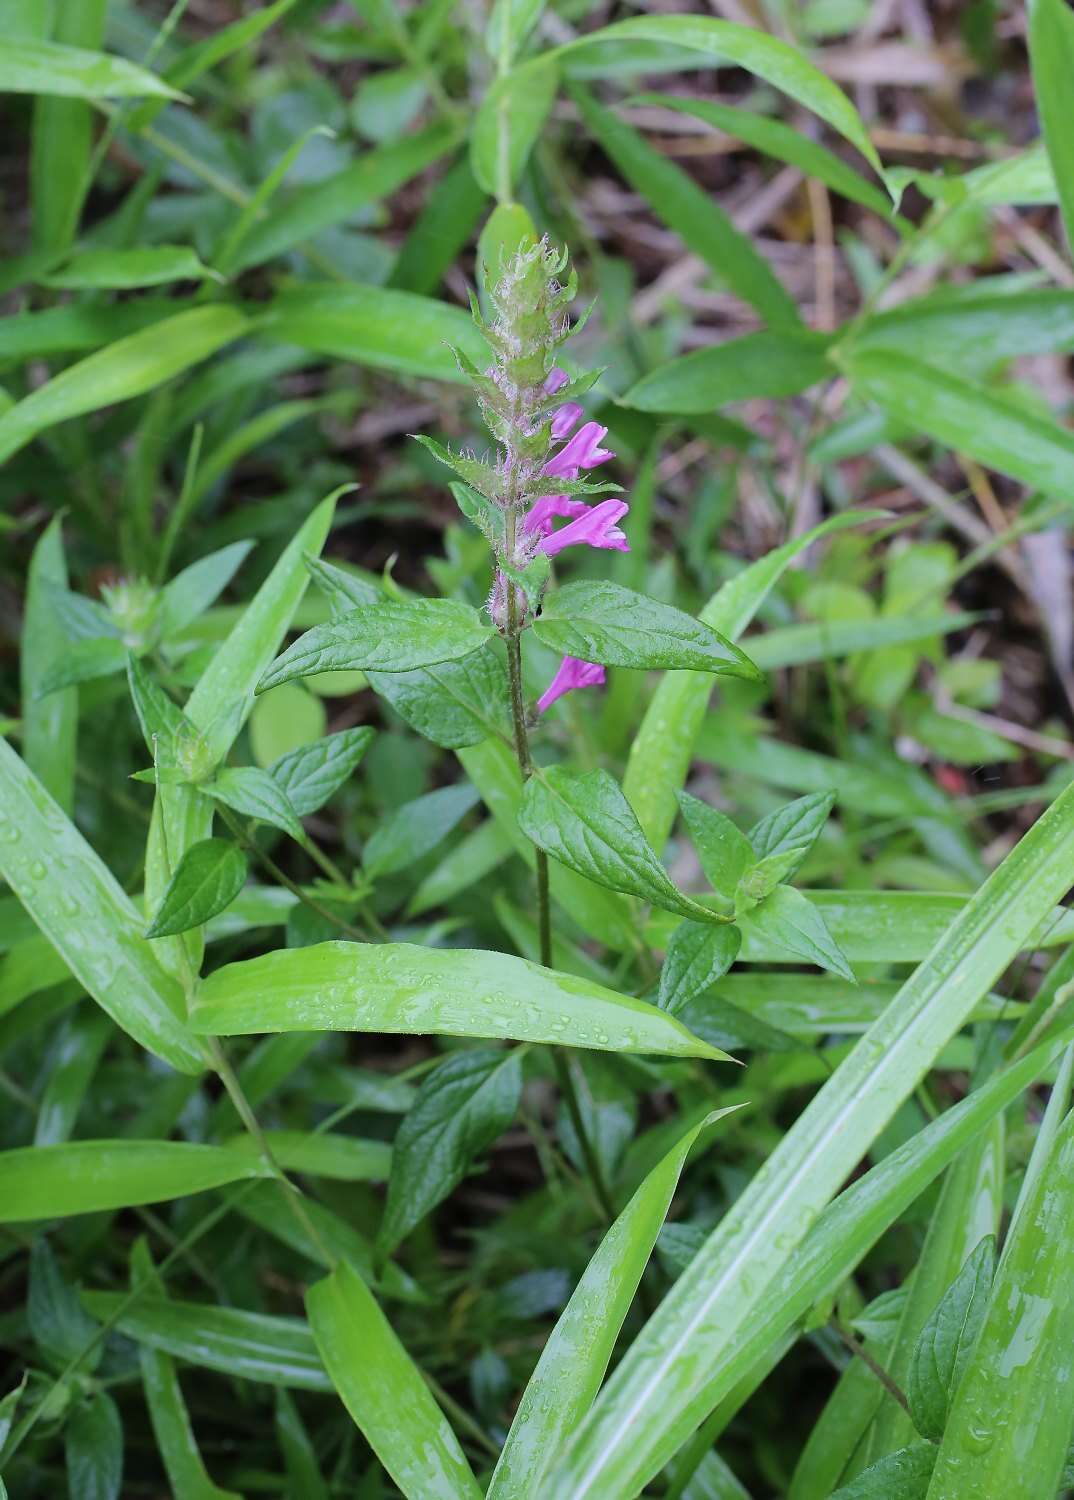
{"points": [[894, 1391], [252, 847], [561, 1059], [293, 1194]]}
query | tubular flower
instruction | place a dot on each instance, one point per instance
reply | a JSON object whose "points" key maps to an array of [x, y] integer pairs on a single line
{"points": [[572, 674], [596, 527], [543, 444]]}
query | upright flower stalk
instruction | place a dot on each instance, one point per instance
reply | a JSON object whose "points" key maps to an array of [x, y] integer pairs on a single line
{"points": [[532, 502]]}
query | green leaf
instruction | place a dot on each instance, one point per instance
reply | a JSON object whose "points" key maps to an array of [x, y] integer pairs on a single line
{"points": [[946, 1342], [312, 773], [9, 1406], [691, 212], [167, 1411], [725, 1024], [794, 827], [62, 139], [222, 43], [250, 1346], [192, 591], [80, 1177], [509, 25], [482, 482], [86, 916], [126, 368], [900, 1476], [303, 1472], [123, 269], [603, 914], [391, 637], [49, 725], [879, 926], [761, 880], [38, 67], [414, 829], [384, 1392], [724, 852], [60, 1326], [758, 364], [73, 1059], [698, 955], [587, 824], [398, 988], [826, 640], [320, 205], [255, 794], [467, 861], [385, 103], [664, 745], [448, 218], [344, 1158], [463, 1105], [455, 703], [1051, 53], [792, 923], [848, 1228], [1009, 1423], [602, 622], [286, 719], [781, 141], [228, 683], [375, 326], [994, 432], [83, 661], [732, 1273], [968, 1210], [975, 331], [508, 122], [93, 1446], [210, 875], [726, 43], [576, 1356]]}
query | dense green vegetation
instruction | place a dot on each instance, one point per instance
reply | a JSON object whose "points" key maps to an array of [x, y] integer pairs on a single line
{"points": [[535, 797]]}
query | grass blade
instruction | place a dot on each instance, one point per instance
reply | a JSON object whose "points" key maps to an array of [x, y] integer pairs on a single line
{"points": [[383, 1390], [1009, 1427], [731, 1273], [86, 916], [573, 1362]]}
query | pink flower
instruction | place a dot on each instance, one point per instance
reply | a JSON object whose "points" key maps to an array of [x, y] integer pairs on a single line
{"points": [[542, 511], [583, 451], [565, 419], [597, 527], [572, 674], [591, 525]]}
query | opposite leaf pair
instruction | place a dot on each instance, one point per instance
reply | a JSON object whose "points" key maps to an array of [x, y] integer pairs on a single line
{"points": [[586, 823]]}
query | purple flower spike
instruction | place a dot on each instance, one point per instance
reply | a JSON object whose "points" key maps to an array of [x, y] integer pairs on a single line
{"points": [[547, 507], [565, 419], [555, 380], [572, 674], [598, 527], [582, 452]]}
